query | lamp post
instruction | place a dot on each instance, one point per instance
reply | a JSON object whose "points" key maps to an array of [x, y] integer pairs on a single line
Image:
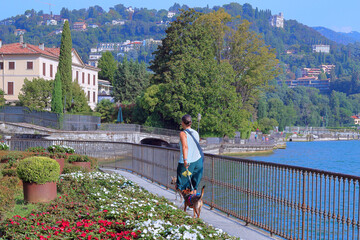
{"points": [[199, 118]]}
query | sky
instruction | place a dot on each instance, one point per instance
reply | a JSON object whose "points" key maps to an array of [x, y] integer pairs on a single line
{"points": [[340, 16]]}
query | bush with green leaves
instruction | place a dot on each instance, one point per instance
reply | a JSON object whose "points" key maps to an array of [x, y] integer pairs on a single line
{"points": [[60, 149], [38, 170], [9, 172], [9, 186], [59, 155], [78, 158], [12, 157], [70, 168], [36, 149], [4, 146]]}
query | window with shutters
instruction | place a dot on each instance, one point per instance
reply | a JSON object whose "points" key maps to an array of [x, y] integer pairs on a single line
{"points": [[1, 65], [30, 65], [10, 88], [83, 77], [51, 70], [44, 69], [11, 65]]}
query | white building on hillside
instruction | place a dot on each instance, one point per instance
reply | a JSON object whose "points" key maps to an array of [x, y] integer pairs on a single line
{"points": [[277, 20], [321, 48]]}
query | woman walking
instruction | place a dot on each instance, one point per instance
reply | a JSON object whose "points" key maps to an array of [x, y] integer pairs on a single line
{"points": [[190, 157]]}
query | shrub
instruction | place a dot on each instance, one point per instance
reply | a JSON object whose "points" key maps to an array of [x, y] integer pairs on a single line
{"points": [[36, 149], [12, 157], [4, 146], [38, 170], [69, 168], [9, 186], [60, 149], [58, 155], [10, 172], [78, 158]]}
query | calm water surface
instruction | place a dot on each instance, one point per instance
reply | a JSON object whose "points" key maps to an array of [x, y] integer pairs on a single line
{"points": [[333, 156]]}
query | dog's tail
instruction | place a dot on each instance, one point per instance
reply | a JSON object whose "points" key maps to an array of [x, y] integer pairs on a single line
{"points": [[202, 192]]}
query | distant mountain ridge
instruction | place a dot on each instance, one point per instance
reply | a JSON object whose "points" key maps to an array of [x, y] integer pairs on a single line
{"points": [[339, 37]]}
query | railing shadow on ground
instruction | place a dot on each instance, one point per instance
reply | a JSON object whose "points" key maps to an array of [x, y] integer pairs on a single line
{"points": [[288, 201]]}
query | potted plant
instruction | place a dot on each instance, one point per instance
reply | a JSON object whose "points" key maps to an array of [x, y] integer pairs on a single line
{"points": [[80, 160], [60, 158], [60, 153], [39, 176]]}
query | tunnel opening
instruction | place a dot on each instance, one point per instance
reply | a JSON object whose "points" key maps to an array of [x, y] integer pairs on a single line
{"points": [[155, 142]]}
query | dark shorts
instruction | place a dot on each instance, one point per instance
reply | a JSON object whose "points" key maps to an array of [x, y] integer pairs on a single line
{"points": [[196, 168]]}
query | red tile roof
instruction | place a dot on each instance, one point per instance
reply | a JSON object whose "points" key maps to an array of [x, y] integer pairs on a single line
{"points": [[355, 117], [18, 48]]}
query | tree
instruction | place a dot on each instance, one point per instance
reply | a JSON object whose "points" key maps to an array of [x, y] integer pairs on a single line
{"points": [[65, 62], [254, 63], [108, 66], [56, 98], [107, 110], [189, 79], [2, 98], [131, 79], [267, 124], [36, 94], [79, 101]]}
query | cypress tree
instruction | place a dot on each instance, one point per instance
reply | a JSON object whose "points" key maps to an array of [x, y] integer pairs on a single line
{"points": [[56, 99], [65, 62]]}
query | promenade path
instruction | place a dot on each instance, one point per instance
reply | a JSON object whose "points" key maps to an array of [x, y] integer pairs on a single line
{"points": [[232, 226]]}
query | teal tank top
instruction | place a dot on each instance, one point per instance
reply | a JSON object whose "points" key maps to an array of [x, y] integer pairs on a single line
{"points": [[193, 151]]}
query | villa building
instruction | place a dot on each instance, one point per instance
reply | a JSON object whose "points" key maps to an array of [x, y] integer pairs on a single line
{"points": [[21, 60], [356, 119], [277, 21], [321, 48]]}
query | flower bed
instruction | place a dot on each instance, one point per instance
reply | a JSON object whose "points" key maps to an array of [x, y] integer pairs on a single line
{"points": [[103, 206]]}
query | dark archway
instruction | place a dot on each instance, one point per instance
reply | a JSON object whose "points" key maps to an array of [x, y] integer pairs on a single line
{"points": [[155, 142]]}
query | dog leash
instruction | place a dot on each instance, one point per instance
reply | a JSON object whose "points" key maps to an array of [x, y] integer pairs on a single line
{"points": [[192, 188]]}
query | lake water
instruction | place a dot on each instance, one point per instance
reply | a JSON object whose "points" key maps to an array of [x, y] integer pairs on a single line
{"points": [[332, 156]]}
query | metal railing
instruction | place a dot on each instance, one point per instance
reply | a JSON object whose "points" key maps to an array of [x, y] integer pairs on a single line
{"points": [[291, 202], [138, 128]]}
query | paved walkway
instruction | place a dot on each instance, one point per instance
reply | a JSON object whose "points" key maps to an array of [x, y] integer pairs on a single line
{"points": [[217, 219]]}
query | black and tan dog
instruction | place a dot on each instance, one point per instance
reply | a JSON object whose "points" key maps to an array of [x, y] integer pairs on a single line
{"points": [[193, 201]]}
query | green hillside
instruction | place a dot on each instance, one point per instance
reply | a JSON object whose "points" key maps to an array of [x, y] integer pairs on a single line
{"points": [[293, 44]]}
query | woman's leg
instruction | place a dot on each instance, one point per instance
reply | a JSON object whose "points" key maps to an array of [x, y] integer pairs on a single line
{"points": [[197, 173], [182, 182]]}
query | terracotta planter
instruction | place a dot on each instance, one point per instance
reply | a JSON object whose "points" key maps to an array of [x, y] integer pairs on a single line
{"points": [[39, 193], [86, 165], [61, 162]]}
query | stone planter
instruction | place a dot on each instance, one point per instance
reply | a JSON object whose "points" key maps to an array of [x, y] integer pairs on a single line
{"points": [[61, 162], [39, 193], [86, 165]]}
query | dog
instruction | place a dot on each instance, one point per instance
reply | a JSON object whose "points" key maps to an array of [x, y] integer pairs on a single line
{"points": [[193, 201]]}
